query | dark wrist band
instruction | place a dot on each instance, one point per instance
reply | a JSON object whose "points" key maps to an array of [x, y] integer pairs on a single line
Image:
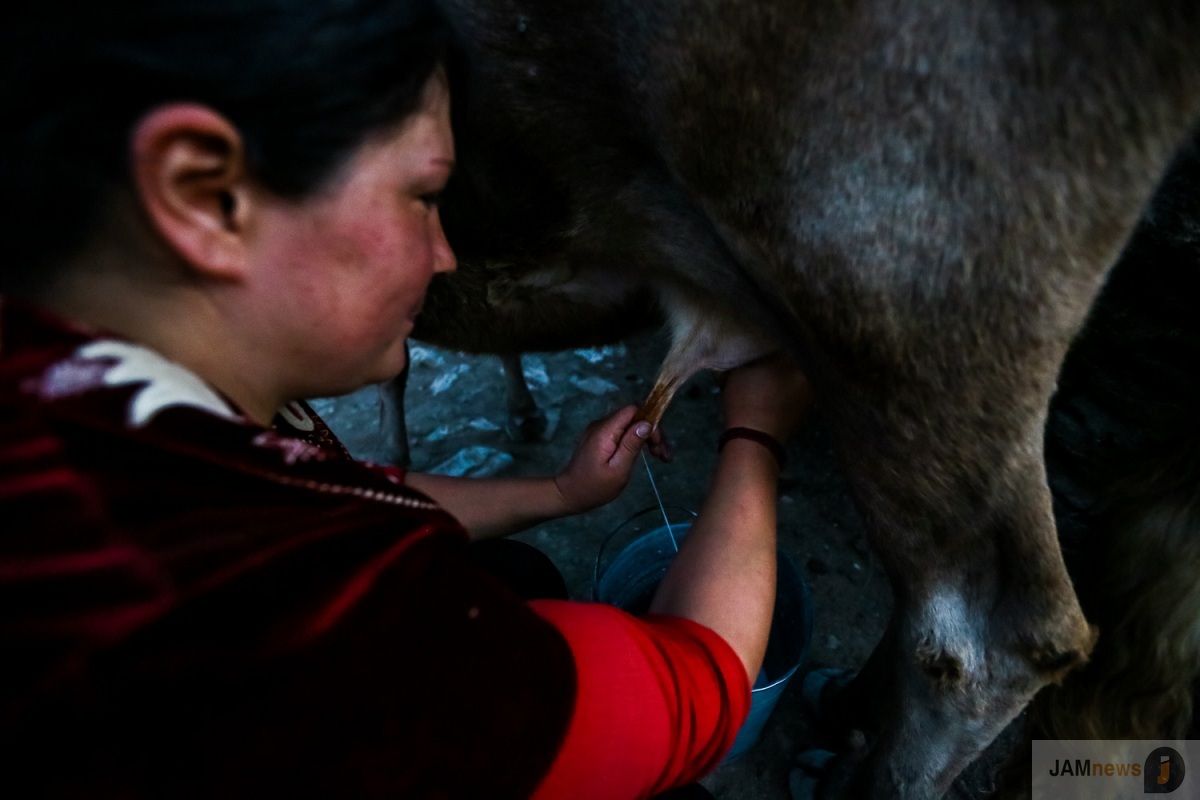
{"points": [[765, 439]]}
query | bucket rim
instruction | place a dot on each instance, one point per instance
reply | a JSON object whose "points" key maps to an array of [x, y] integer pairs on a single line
{"points": [[608, 537], [784, 678]]}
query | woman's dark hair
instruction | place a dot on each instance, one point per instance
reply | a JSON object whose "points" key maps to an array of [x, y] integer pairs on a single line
{"points": [[304, 81]]}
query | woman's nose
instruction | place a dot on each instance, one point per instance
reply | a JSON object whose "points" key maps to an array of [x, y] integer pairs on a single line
{"points": [[444, 259]]}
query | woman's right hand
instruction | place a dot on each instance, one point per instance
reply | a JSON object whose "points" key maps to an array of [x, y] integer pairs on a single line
{"points": [[769, 394]]}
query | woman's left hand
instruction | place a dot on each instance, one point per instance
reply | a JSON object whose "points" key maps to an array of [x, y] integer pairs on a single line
{"points": [[603, 460]]}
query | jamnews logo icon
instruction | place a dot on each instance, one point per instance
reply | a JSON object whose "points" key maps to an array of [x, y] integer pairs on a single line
{"points": [[1164, 771], [1097, 770]]}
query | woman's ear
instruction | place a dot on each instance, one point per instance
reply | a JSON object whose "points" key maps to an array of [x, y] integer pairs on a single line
{"points": [[189, 172]]}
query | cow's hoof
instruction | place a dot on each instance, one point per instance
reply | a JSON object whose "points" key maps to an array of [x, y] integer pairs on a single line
{"points": [[802, 785], [821, 775], [821, 686], [815, 761], [530, 427], [806, 782]]}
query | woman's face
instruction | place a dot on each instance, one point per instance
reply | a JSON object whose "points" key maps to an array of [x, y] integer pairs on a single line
{"points": [[346, 269]]}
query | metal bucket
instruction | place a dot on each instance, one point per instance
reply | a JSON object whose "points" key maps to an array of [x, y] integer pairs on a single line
{"points": [[630, 579]]}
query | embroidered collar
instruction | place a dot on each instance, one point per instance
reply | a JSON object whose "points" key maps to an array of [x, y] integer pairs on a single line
{"points": [[113, 363], [127, 390]]}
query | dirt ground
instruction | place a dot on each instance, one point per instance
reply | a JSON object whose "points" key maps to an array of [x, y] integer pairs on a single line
{"points": [[456, 413]]}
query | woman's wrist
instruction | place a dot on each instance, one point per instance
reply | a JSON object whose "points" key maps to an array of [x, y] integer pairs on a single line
{"points": [[759, 437], [745, 461], [560, 498]]}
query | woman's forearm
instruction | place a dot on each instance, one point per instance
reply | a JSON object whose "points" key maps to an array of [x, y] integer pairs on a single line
{"points": [[597, 472], [724, 574], [490, 507]]}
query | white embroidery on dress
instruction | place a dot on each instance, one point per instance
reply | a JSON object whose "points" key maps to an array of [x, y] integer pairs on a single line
{"points": [[297, 417], [111, 363], [293, 449], [67, 378]]}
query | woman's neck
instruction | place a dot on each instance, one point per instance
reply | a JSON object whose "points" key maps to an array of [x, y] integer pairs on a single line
{"points": [[184, 322]]}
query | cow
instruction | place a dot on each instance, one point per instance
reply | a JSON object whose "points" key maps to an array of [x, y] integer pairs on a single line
{"points": [[919, 199]]}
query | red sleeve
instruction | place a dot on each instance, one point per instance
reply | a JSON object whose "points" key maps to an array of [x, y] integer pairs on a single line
{"points": [[659, 700]]}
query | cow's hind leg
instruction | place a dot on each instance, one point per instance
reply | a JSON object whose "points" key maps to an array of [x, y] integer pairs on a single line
{"points": [[526, 422], [985, 612], [948, 472], [392, 420], [1123, 454]]}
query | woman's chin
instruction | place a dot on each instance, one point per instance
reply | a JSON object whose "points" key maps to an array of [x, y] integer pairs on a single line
{"points": [[392, 364], [386, 367]]}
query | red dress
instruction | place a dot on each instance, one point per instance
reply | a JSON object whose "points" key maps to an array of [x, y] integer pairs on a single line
{"points": [[192, 605]]}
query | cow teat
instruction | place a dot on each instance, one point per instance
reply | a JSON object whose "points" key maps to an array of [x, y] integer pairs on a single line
{"points": [[704, 335]]}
